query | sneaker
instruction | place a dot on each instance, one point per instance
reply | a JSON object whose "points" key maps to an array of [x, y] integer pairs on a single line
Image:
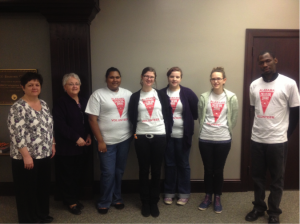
{"points": [[182, 201], [217, 204], [205, 203], [168, 201]]}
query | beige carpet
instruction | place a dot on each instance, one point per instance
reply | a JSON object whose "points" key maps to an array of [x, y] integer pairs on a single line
{"points": [[235, 208]]}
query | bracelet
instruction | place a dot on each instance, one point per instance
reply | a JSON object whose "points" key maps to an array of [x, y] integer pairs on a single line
{"points": [[54, 143]]}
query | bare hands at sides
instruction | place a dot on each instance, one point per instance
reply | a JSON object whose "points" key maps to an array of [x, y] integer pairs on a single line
{"points": [[80, 142], [102, 147], [53, 151], [88, 140], [28, 162]]}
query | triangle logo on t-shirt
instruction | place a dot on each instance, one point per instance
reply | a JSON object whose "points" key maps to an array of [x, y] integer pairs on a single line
{"points": [[120, 103], [174, 101], [149, 104], [265, 98], [217, 108]]}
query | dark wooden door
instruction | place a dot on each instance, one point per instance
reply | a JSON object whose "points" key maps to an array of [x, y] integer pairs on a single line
{"points": [[285, 45]]}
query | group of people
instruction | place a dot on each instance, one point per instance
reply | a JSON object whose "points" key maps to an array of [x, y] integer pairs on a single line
{"points": [[161, 124]]}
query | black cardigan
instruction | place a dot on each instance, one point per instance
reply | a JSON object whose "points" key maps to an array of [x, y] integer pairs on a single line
{"points": [[189, 102], [166, 110], [69, 126]]}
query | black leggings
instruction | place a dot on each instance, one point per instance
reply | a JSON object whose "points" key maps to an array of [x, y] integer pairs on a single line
{"points": [[150, 153], [214, 156]]}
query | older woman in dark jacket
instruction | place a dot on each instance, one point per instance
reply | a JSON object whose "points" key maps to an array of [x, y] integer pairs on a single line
{"points": [[71, 131]]}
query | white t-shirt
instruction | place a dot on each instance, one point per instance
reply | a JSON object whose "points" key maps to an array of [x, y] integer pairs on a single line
{"points": [[215, 127], [272, 101], [177, 129], [111, 109], [150, 118]]}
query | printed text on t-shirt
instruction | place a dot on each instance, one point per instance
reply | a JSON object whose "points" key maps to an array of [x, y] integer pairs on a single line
{"points": [[149, 104], [120, 103], [174, 101], [217, 107], [265, 98]]}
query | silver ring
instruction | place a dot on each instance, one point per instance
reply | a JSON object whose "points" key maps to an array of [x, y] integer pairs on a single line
{"points": [[149, 136]]}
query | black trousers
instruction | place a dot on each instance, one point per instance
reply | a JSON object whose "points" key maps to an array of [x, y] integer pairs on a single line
{"points": [[150, 154], [32, 188], [272, 157], [214, 157], [69, 171]]}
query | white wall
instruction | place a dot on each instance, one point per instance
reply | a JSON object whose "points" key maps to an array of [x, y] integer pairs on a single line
{"points": [[195, 35]]}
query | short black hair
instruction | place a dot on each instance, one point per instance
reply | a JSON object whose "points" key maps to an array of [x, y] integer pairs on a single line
{"points": [[28, 76], [112, 69], [265, 52]]}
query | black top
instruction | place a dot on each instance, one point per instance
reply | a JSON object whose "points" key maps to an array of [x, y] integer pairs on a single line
{"points": [[165, 105], [70, 123]]}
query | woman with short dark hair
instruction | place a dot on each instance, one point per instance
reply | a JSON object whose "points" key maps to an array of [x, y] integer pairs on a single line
{"points": [[32, 145]]}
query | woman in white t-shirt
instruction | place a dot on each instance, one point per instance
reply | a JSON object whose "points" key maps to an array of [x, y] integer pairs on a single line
{"points": [[151, 117], [184, 108], [107, 109], [217, 110]]}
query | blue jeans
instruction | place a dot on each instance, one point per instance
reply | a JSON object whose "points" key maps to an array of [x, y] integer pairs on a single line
{"points": [[112, 166], [177, 169]]}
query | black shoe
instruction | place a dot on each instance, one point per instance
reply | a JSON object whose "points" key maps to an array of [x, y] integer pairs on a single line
{"points": [[273, 219], [48, 219], [253, 215], [154, 210], [102, 211], [75, 210], [80, 205], [119, 206], [146, 210]]}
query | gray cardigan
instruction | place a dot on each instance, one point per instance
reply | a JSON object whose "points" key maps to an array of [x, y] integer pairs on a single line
{"points": [[232, 107]]}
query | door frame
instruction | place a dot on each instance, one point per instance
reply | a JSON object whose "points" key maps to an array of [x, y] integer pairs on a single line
{"points": [[247, 120]]}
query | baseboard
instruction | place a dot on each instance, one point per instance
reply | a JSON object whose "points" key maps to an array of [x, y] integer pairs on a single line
{"points": [[128, 187], [197, 186]]}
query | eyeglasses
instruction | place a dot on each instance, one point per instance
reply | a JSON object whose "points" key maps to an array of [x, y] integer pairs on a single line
{"points": [[73, 84], [149, 77], [216, 79]]}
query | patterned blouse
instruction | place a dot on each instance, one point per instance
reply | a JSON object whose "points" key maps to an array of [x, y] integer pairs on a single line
{"points": [[30, 128]]}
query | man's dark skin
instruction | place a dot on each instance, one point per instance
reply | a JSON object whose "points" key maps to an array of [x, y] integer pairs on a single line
{"points": [[267, 64]]}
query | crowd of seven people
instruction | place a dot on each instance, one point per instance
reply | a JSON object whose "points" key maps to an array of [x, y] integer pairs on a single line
{"points": [[161, 122]]}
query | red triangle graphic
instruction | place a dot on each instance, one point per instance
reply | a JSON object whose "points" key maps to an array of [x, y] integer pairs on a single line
{"points": [[265, 98], [174, 101], [217, 108], [149, 104], [120, 103]]}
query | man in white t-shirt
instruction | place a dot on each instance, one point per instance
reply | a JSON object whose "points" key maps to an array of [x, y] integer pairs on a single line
{"points": [[275, 99]]}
